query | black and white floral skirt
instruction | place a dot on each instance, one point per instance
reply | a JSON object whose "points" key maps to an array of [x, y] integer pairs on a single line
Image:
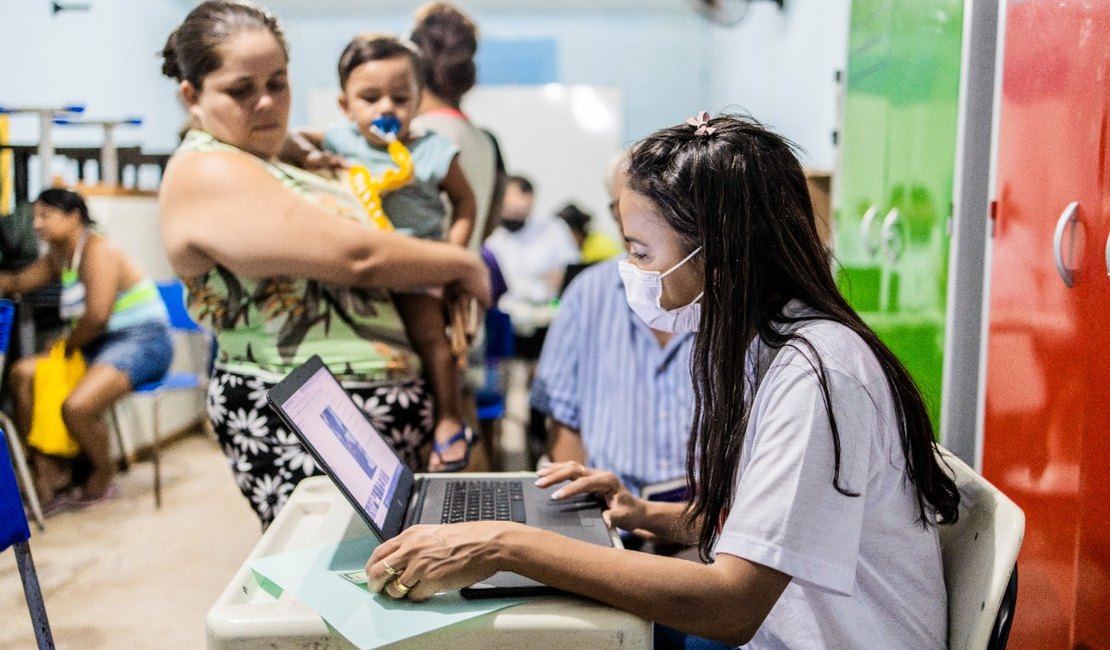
{"points": [[268, 461]]}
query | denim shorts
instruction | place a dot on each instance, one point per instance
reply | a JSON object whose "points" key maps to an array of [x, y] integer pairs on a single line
{"points": [[142, 352]]}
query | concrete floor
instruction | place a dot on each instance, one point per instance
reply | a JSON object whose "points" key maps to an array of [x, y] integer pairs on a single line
{"points": [[125, 575]]}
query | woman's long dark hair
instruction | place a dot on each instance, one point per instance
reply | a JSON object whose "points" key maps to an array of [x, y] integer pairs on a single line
{"points": [[740, 194]]}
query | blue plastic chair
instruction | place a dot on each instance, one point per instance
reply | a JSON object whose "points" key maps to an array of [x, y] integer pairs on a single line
{"points": [[7, 321], [173, 294], [499, 346], [15, 533]]}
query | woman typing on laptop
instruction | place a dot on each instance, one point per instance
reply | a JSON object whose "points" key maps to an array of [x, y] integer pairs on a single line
{"points": [[815, 487]]}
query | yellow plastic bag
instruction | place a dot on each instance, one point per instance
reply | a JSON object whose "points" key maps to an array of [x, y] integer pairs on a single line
{"points": [[55, 378]]}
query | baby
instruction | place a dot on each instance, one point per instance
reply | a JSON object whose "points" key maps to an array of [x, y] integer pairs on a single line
{"points": [[381, 86]]}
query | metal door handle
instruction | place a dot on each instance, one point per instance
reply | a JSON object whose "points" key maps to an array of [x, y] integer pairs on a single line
{"points": [[1108, 255], [890, 236], [865, 231], [1069, 216]]}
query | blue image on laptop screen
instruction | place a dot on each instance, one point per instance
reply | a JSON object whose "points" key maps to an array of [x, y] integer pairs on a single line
{"points": [[356, 453]]}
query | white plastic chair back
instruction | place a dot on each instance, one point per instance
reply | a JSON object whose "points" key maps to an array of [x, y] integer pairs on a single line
{"points": [[979, 553]]}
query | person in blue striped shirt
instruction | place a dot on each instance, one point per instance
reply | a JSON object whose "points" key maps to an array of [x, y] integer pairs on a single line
{"points": [[618, 393]]}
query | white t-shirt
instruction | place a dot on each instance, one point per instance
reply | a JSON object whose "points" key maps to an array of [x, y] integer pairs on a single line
{"points": [[529, 256], [865, 574]]}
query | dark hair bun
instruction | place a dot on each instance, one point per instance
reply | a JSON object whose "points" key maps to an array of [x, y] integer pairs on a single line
{"points": [[170, 68], [452, 76], [448, 40], [192, 50]]}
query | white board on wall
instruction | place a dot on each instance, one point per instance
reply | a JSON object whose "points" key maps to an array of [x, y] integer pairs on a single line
{"points": [[560, 136]]}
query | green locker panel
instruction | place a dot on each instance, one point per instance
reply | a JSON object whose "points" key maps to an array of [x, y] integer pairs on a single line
{"points": [[897, 162]]}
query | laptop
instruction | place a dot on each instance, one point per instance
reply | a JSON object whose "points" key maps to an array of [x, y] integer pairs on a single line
{"points": [[389, 497]]}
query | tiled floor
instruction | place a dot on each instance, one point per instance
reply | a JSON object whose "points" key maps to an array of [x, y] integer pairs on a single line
{"points": [[123, 575]]}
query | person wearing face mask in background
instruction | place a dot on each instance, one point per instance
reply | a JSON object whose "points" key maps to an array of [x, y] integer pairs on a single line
{"points": [[533, 254]]}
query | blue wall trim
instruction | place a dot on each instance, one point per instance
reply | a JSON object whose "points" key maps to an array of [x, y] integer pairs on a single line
{"points": [[517, 62]]}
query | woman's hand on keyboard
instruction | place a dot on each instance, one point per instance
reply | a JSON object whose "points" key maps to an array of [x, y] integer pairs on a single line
{"points": [[623, 510]]}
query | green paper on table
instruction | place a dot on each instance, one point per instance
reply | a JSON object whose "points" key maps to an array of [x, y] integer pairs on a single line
{"points": [[324, 578]]}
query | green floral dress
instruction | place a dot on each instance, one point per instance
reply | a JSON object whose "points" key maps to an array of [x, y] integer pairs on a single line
{"points": [[266, 327]]}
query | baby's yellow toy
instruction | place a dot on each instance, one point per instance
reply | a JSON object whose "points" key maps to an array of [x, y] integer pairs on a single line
{"points": [[369, 189]]}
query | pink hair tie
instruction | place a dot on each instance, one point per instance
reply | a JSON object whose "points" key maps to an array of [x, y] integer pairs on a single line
{"points": [[701, 124]]}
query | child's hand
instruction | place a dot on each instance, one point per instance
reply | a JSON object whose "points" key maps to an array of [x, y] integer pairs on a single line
{"points": [[323, 161], [301, 151], [463, 318]]}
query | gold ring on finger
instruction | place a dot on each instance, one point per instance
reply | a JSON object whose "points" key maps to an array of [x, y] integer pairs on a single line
{"points": [[393, 573], [401, 587]]}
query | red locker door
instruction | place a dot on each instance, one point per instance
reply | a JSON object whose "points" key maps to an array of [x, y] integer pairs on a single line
{"points": [[1039, 350], [1092, 608]]}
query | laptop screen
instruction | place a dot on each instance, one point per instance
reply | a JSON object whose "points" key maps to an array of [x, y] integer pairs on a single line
{"points": [[349, 448]]}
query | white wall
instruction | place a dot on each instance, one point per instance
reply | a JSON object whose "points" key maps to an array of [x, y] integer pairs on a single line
{"points": [[658, 60], [132, 223], [562, 137], [668, 64], [104, 58], [779, 65]]}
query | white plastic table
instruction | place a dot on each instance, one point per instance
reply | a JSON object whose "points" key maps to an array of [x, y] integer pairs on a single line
{"points": [[246, 617]]}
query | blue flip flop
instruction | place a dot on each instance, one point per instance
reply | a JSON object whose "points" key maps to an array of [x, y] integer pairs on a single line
{"points": [[438, 448]]}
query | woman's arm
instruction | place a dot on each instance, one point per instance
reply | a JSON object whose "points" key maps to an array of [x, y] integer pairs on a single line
{"points": [[100, 272], [726, 600], [566, 444], [465, 206], [32, 277], [224, 208]]}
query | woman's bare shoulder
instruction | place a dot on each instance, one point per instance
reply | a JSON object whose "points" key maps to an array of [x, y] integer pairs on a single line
{"points": [[103, 255], [190, 170], [101, 246]]}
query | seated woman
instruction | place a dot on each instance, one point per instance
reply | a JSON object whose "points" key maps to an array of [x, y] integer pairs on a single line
{"points": [[815, 488], [119, 324], [283, 264]]}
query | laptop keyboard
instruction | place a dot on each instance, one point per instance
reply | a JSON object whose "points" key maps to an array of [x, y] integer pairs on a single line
{"points": [[478, 500]]}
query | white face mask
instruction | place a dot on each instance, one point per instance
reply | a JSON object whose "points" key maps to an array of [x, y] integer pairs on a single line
{"points": [[644, 289]]}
